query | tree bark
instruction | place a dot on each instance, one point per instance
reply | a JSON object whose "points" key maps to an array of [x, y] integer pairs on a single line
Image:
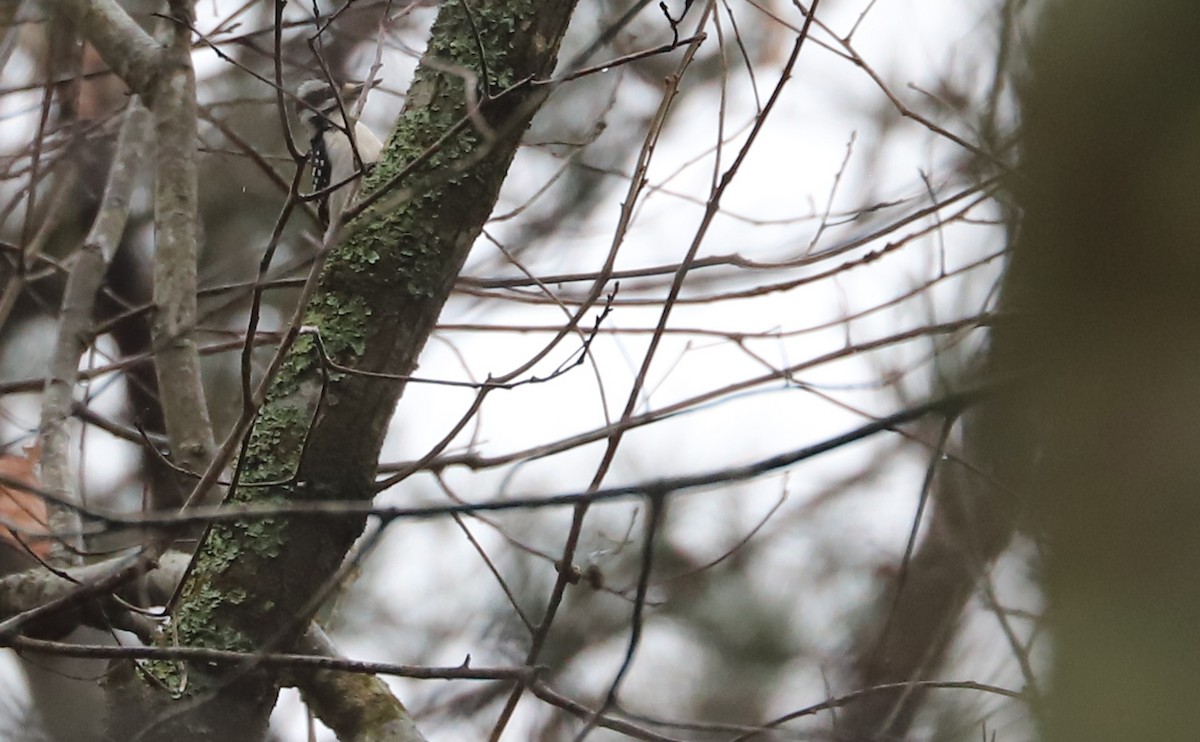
{"points": [[318, 435], [1104, 308]]}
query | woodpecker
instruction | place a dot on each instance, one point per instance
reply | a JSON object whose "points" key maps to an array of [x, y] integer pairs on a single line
{"points": [[330, 148]]}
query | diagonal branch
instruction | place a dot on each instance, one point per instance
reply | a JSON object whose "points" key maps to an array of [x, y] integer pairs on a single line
{"points": [[75, 321], [319, 433], [122, 43]]}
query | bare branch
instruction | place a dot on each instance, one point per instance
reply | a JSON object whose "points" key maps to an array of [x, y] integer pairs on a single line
{"points": [[75, 333]]}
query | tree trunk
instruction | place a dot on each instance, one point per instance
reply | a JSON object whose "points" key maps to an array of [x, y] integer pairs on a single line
{"points": [[318, 436], [1103, 298]]}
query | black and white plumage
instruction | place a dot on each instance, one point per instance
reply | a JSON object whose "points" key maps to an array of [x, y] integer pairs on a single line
{"points": [[330, 148]]}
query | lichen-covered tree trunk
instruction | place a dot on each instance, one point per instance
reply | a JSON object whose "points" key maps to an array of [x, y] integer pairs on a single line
{"points": [[319, 434]]}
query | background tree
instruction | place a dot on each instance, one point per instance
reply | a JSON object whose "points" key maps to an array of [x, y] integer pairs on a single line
{"points": [[1101, 291]]}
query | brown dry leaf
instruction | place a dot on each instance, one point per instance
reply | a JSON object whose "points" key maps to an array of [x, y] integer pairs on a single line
{"points": [[20, 509]]}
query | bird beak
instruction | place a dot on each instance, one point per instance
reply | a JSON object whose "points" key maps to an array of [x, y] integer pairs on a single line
{"points": [[352, 90]]}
